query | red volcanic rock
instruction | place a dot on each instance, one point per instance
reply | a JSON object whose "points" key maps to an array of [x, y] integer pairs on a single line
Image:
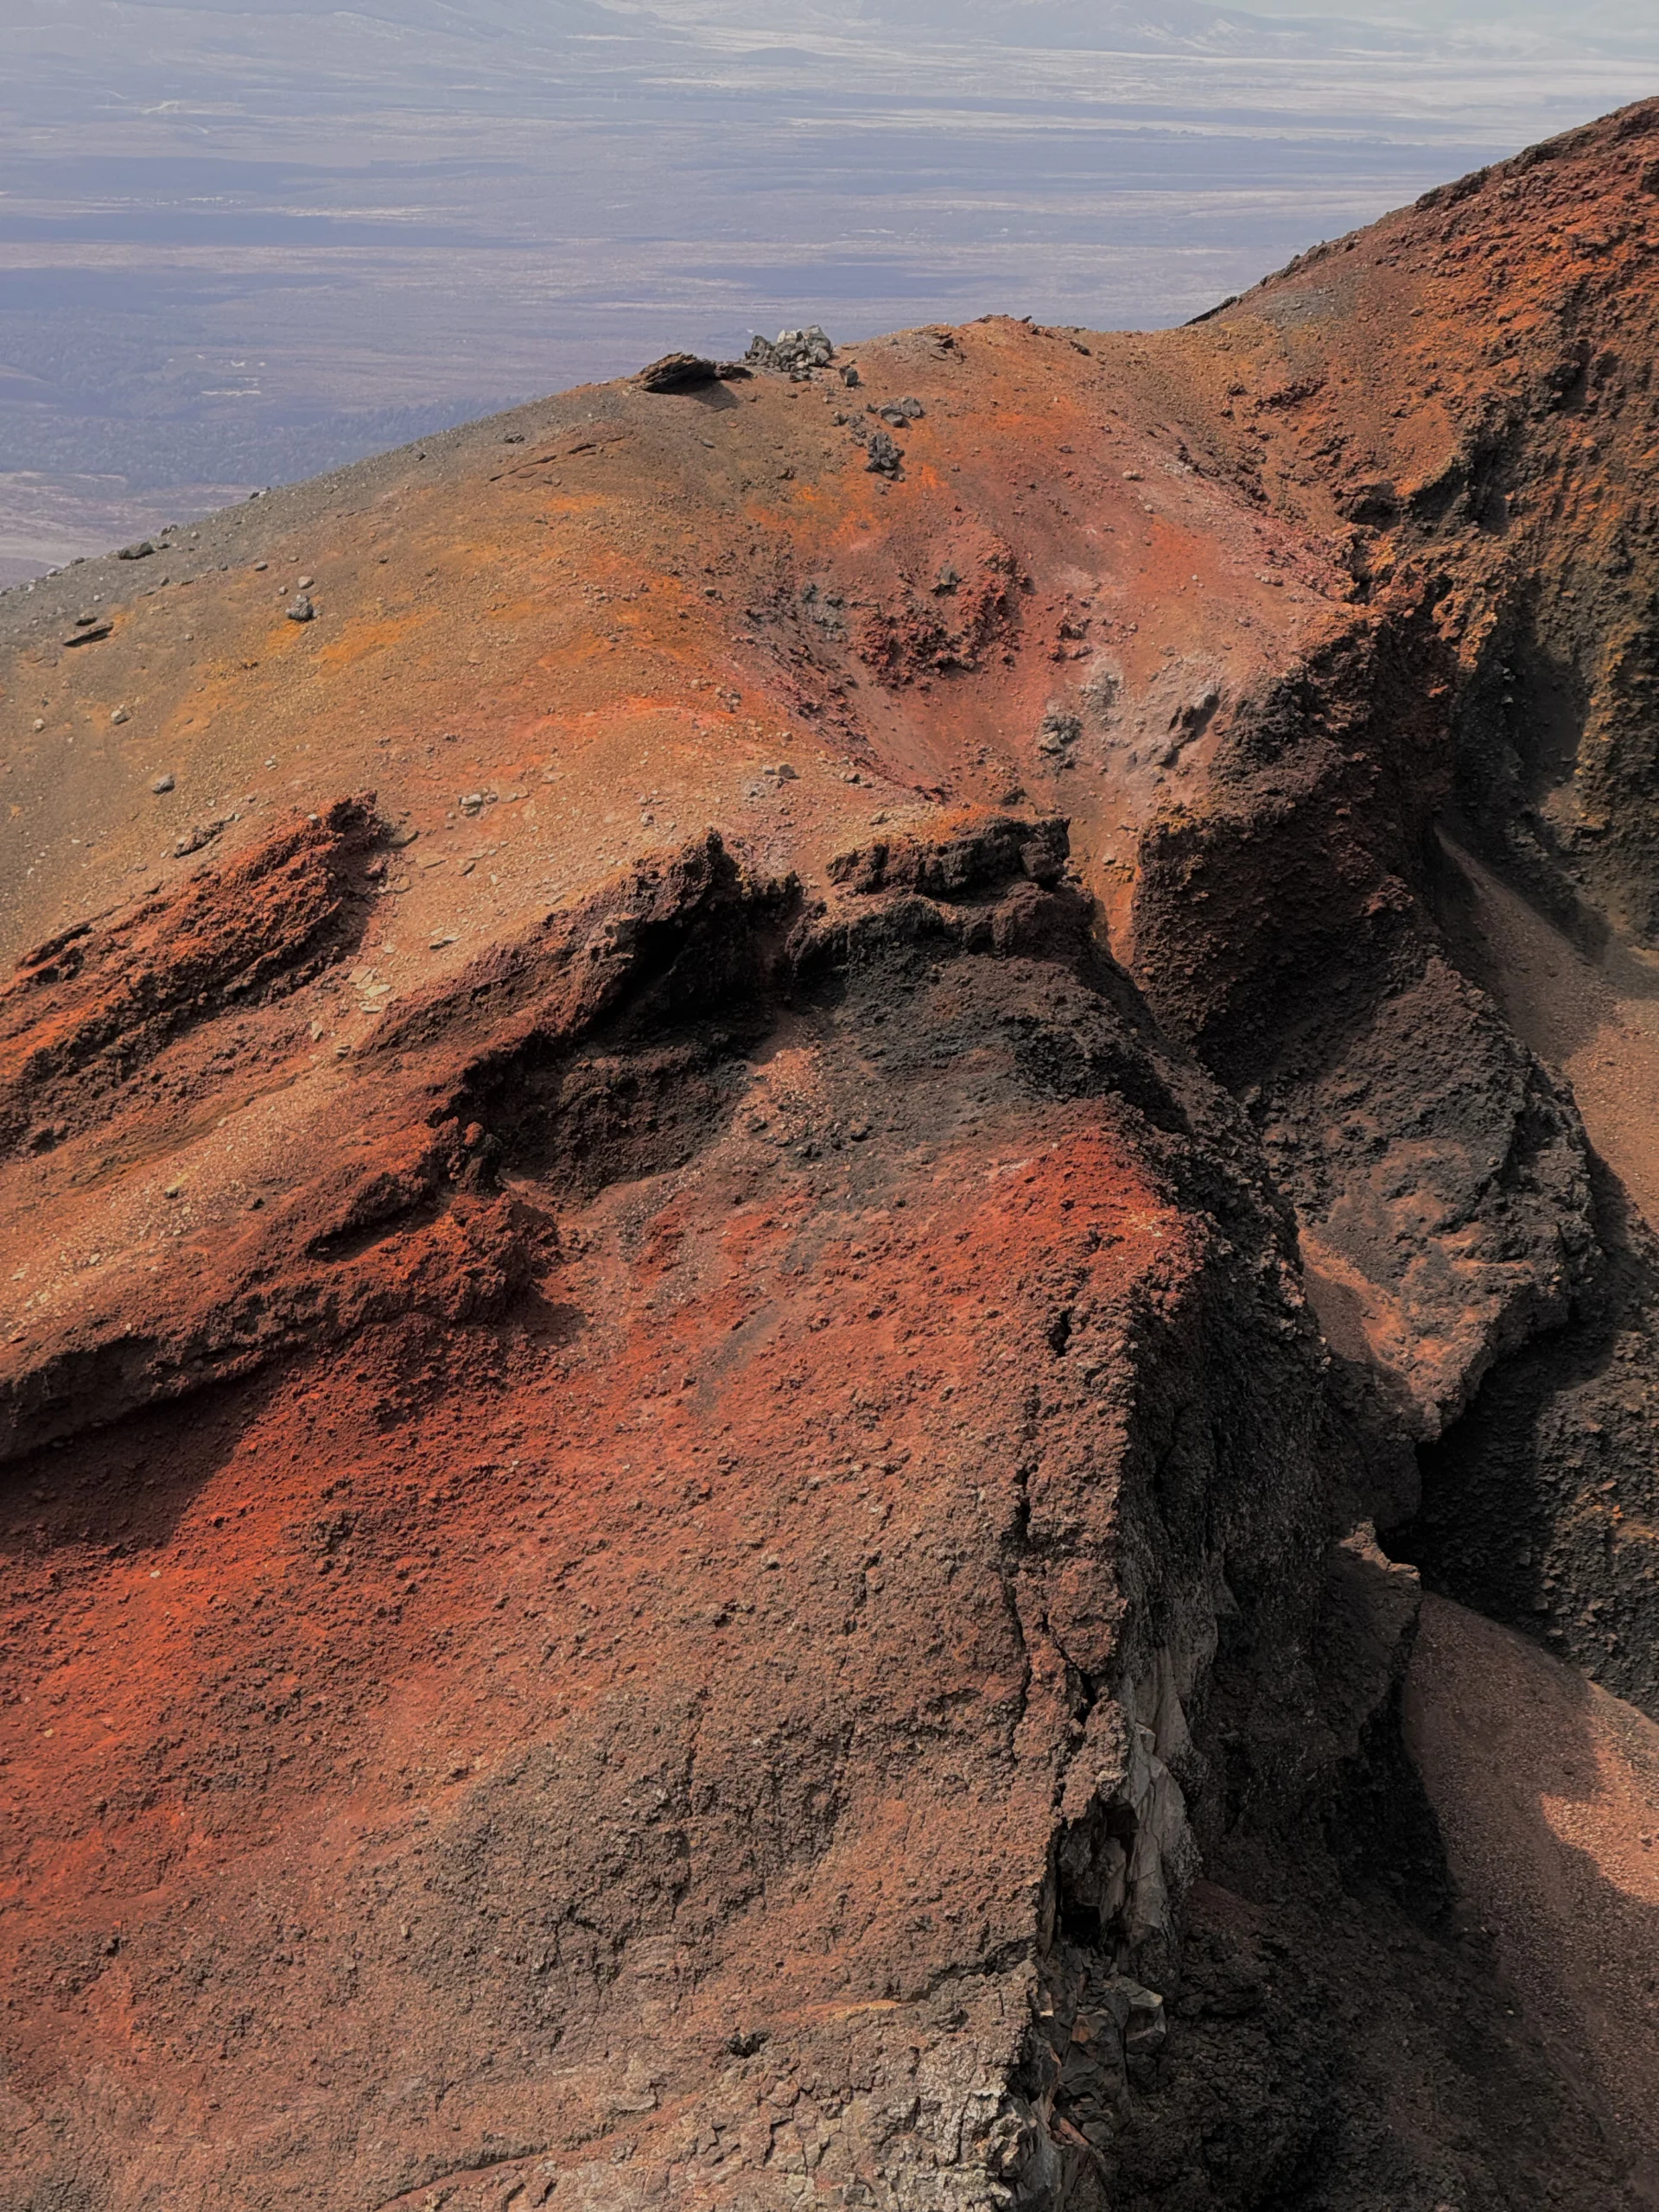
{"points": [[695, 1401], [95, 1004], [662, 1698]]}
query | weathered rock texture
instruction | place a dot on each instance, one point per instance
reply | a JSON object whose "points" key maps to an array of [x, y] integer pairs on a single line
{"points": [[713, 1292]]}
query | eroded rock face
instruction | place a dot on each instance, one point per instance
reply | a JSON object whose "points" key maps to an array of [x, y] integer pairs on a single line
{"points": [[1464, 393], [885, 1345], [696, 1396]]}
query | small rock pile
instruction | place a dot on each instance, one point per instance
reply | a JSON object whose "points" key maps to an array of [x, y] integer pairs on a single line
{"points": [[883, 457], [793, 353], [1059, 736]]}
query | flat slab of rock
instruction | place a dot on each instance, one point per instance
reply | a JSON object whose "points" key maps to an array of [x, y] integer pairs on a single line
{"points": [[685, 372]]}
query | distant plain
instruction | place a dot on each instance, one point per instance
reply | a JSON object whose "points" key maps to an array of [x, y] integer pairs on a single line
{"points": [[239, 245]]}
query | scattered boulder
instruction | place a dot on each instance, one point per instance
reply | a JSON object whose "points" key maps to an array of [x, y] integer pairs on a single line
{"points": [[302, 610], [1060, 731], [141, 551], [883, 456], [88, 629], [121, 714], [162, 784], [685, 372], [677, 372]]}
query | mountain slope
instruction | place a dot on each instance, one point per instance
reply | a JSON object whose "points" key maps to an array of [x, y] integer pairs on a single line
{"points": [[728, 1203]]}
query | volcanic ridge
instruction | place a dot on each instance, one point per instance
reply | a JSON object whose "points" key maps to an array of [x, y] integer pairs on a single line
{"points": [[831, 1337]]}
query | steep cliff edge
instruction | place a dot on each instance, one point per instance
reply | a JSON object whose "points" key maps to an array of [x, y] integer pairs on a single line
{"points": [[745, 1132], [1462, 401]]}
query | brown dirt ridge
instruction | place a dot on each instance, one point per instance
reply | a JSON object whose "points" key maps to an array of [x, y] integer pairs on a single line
{"points": [[779, 1149]]}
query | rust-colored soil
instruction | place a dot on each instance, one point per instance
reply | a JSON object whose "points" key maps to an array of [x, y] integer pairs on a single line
{"points": [[725, 1213]]}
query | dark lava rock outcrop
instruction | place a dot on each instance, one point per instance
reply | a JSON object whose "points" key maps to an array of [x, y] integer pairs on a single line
{"points": [[728, 1212]]}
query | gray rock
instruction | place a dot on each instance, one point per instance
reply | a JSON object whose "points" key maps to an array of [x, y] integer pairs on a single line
{"points": [[1060, 732], [884, 456], [194, 840], [301, 610], [793, 352], [677, 372], [121, 714], [141, 551], [162, 784], [685, 372]]}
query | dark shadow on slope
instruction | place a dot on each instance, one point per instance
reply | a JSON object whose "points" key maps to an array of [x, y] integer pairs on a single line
{"points": [[1540, 1506]]}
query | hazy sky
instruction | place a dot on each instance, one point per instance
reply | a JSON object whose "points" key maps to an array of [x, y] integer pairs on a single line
{"points": [[239, 243], [1619, 20]]}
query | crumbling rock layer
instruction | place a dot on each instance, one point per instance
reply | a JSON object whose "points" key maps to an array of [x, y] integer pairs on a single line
{"points": [[1043, 1316], [714, 1293]]}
